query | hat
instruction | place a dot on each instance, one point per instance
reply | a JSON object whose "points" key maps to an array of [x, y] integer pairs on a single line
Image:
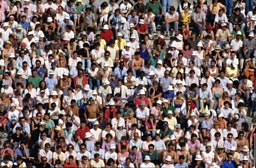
{"points": [[42, 123], [172, 137], [253, 18], [141, 21], [119, 34], [251, 34], [5, 24], [87, 87], [133, 36], [239, 33], [65, 74], [131, 25], [91, 98], [179, 37], [214, 165], [112, 146], [49, 19], [142, 103], [57, 128], [173, 45], [230, 82], [170, 87], [19, 27], [159, 102], [220, 147], [94, 92], [105, 27], [209, 27], [128, 44], [160, 62], [147, 158], [198, 157], [208, 145], [223, 24], [218, 47], [79, 1], [54, 93], [142, 92], [220, 115], [200, 44], [177, 126], [51, 72], [165, 101], [12, 55], [106, 82], [151, 73], [23, 44], [168, 158], [88, 135], [96, 122], [8, 42], [169, 112], [245, 158], [67, 17], [245, 149], [30, 33]]}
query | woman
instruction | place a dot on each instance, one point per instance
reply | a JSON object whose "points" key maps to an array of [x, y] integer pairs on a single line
{"points": [[65, 83], [72, 46], [122, 155], [180, 104], [217, 91], [7, 50], [130, 120], [31, 90], [70, 151], [124, 142], [187, 52], [43, 86], [85, 162], [36, 121], [54, 99], [220, 155], [156, 110], [225, 97], [151, 125], [200, 51], [108, 140], [146, 143]]}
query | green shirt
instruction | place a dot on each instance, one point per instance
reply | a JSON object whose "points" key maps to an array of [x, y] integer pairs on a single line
{"points": [[35, 81], [50, 124], [155, 7], [80, 8], [165, 110], [165, 133]]}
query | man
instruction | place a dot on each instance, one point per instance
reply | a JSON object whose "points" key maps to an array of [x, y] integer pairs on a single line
{"points": [[46, 152], [147, 163], [157, 10], [208, 155], [230, 143], [51, 81], [182, 163], [223, 35], [229, 162], [166, 81], [152, 153], [92, 110], [172, 121], [205, 95], [171, 20], [106, 34], [97, 162], [34, 79]]}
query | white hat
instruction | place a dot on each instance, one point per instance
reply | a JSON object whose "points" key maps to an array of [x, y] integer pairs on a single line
{"points": [[49, 19], [88, 135], [106, 82], [94, 92], [245, 158], [96, 122], [123, 20], [227, 46], [105, 27], [194, 53], [245, 149], [177, 126], [5, 24], [165, 101], [170, 87], [159, 102], [79, 1], [51, 72], [223, 24], [119, 34], [30, 33], [251, 34], [133, 36], [128, 44], [179, 37], [230, 82], [200, 44], [12, 55], [142, 92], [221, 115], [141, 21], [169, 112], [192, 114], [87, 87], [172, 137], [131, 25], [208, 145], [151, 73], [42, 123], [173, 45], [198, 157], [67, 17], [147, 158], [168, 158], [54, 93], [239, 33], [112, 146], [160, 62], [65, 74]]}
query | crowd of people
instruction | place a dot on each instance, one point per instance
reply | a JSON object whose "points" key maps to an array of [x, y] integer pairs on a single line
{"points": [[152, 84]]}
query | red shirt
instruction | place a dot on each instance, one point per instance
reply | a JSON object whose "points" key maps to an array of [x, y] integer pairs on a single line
{"points": [[139, 99], [81, 132], [70, 165], [107, 35], [108, 111], [141, 28]]}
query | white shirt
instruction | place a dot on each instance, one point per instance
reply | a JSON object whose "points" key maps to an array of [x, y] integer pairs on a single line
{"points": [[226, 132], [109, 155], [236, 45], [115, 122], [68, 35], [6, 33], [96, 133], [124, 8], [149, 165], [48, 155], [228, 145], [142, 114], [97, 53]]}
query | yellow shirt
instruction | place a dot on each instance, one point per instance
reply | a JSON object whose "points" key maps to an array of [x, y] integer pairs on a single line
{"points": [[185, 17], [102, 44], [171, 122], [122, 44], [215, 9]]}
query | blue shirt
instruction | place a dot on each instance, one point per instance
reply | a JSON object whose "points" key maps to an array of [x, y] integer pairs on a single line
{"points": [[144, 54], [51, 83], [20, 152], [227, 164], [169, 95], [25, 25], [184, 165]]}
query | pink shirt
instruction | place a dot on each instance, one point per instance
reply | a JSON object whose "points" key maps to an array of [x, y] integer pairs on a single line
{"points": [[195, 145]]}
